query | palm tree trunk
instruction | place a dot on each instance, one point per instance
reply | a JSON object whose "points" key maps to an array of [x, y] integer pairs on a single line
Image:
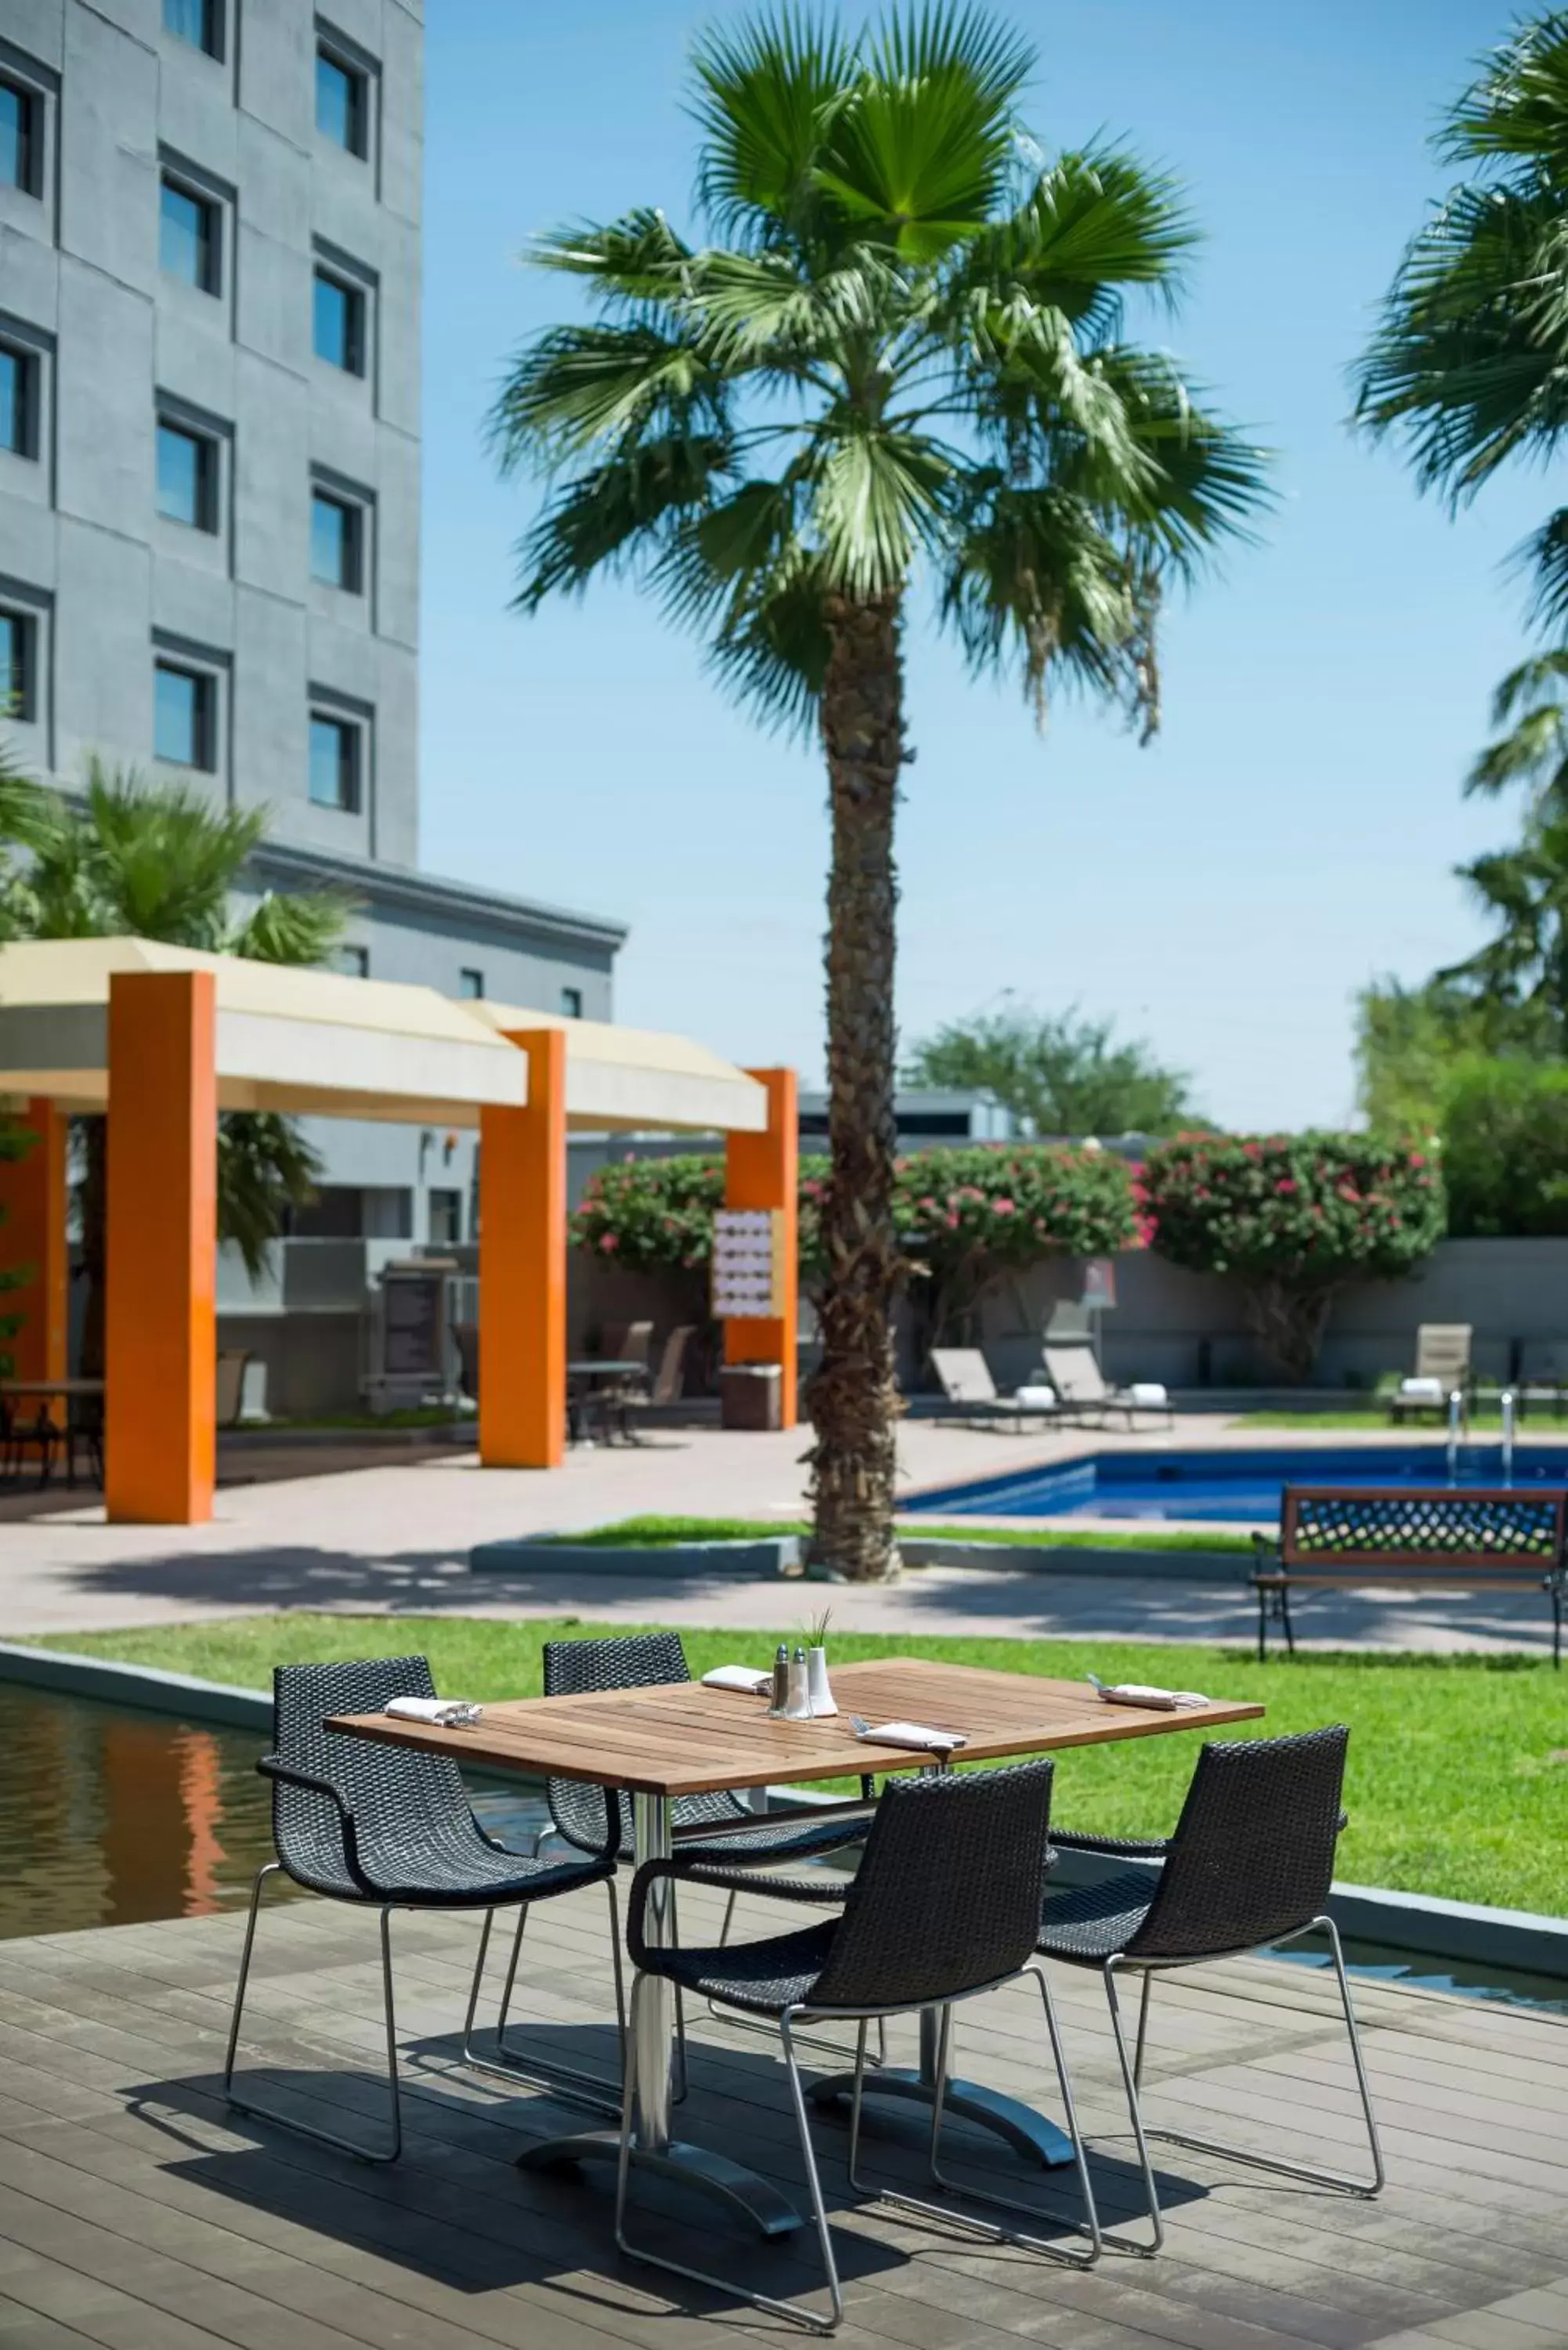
{"points": [[853, 1398]]}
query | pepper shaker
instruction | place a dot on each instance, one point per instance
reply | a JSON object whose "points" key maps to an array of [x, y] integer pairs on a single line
{"points": [[780, 1700]]}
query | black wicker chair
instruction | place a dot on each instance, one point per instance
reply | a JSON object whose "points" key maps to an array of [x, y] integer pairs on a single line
{"points": [[359, 1821], [715, 1836], [945, 1905], [1249, 1865]]}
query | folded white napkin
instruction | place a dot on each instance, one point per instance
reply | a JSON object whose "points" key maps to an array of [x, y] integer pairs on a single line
{"points": [[915, 1735], [1422, 1390], [1148, 1391], [744, 1678], [444, 1713], [1041, 1397], [1159, 1701]]}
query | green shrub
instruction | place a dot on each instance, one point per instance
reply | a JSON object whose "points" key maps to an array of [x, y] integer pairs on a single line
{"points": [[1293, 1217], [1505, 1149], [968, 1216]]}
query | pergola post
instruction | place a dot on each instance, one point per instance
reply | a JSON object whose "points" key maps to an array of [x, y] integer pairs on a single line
{"points": [[523, 1265], [33, 1201], [161, 1336], [760, 1171]]}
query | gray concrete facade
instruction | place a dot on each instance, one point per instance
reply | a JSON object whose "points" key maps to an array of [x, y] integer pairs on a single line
{"points": [[210, 265]]}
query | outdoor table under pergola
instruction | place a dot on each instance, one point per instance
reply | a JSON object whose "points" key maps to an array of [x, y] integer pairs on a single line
{"points": [[173, 1036]]}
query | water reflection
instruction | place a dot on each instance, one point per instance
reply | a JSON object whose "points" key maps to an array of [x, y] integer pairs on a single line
{"points": [[109, 1817]]}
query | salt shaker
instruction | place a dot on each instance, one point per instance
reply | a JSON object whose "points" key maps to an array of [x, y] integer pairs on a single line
{"points": [[799, 1706]]}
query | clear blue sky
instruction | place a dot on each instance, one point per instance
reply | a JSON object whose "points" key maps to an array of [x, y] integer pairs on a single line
{"points": [[1223, 893]]}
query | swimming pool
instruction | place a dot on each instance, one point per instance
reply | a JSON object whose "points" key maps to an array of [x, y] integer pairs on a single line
{"points": [[1241, 1485]]}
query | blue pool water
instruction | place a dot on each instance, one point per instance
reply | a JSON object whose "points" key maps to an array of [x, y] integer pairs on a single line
{"points": [[1241, 1485]]}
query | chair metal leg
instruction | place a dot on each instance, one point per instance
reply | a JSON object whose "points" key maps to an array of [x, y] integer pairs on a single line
{"points": [[1134, 2111], [575, 2086], [1314, 2177], [1089, 2226], [814, 2320], [249, 2105]]}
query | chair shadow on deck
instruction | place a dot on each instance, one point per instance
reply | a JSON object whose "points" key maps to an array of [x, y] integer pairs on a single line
{"points": [[459, 2210]]}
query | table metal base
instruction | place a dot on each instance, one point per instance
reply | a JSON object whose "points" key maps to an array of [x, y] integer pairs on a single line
{"points": [[691, 2166]]}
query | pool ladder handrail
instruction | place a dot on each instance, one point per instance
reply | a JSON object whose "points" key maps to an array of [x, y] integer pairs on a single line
{"points": [[1508, 1403], [1459, 1429]]}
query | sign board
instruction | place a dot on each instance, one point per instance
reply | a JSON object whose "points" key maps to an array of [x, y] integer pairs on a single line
{"points": [[1099, 1284], [413, 1342], [748, 1264]]}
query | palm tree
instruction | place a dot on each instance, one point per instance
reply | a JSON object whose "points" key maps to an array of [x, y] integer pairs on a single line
{"points": [[1521, 975], [132, 860], [1469, 365], [1532, 704], [900, 364]]}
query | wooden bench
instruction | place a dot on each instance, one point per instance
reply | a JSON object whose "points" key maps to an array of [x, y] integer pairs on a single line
{"points": [[1436, 1538]]}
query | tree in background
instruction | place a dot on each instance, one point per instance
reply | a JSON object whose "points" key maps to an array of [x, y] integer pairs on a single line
{"points": [[1409, 1041], [902, 361], [1469, 367], [132, 860], [1056, 1072], [1505, 1149], [1293, 1217]]}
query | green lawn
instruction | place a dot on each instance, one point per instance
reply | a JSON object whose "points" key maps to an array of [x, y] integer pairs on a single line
{"points": [[662, 1533], [1459, 1767]]}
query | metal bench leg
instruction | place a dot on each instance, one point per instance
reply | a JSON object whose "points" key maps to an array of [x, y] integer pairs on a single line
{"points": [[1285, 1618], [248, 2105], [1262, 1626], [1314, 2177]]}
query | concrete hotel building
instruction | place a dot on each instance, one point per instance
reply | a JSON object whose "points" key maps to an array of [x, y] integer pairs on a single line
{"points": [[210, 478]]}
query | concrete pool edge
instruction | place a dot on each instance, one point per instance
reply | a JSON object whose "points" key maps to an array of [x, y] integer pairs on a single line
{"points": [[1423, 1924], [1079, 1558]]}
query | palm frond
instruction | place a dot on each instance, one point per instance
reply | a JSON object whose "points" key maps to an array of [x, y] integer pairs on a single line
{"points": [[1092, 223], [1543, 559], [637, 260], [577, 388], [266, 1167], [878, 496], [619, 513], [1518, 107], [291, 927], [919, 153], [765, 89], [771, 652]]}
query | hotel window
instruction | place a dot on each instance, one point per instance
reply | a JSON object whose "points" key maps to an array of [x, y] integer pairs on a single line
{"points": [[572, 1003], [470, 985], [189, 241], [196, 21], [18, 402], [17, 694], [338, 323], [350, 962], [21, 123], [338, 542], [337, 761], [342, 102], [184, 717], [187, 476]]}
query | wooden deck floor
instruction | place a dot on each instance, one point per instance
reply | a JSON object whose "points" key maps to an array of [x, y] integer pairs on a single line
{"points": [[136, 2212]]}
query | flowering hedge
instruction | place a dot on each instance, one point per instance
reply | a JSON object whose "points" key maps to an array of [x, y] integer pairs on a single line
{"points": [[1293, 1217], [967, 1215]]}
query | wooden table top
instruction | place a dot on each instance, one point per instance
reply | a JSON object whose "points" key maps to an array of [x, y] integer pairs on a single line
{"points": [[685, 1740]]}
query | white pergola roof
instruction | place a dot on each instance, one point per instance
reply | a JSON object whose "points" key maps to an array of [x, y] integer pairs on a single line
{"points": [[342, 1047]]}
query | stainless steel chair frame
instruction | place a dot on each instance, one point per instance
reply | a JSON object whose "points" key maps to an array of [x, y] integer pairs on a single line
{"points": [[1132, 2078], [249, 2105], [814, 2320], [578, 2087]]}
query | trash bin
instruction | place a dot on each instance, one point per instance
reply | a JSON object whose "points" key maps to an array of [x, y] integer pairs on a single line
{"points": [[750, 1395]]}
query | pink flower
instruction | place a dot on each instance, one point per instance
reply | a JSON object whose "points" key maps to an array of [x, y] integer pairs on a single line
{"points": [[1003, 1207], [1285, 1185], [608, 1243]]}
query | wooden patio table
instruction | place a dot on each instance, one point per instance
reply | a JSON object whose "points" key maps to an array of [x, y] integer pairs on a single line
{"points": [[658, 1744]]}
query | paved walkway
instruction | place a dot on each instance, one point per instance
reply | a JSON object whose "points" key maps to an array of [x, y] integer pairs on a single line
{"points": [[396, 1535]]}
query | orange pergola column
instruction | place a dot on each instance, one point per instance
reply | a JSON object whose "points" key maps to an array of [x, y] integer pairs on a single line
{"points": [[161, 1339], [523, 1265], [760, 1171], [33, 1200]]}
